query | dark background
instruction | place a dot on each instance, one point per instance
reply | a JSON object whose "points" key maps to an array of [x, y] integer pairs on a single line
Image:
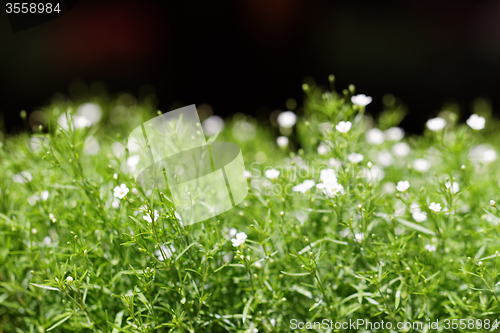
{"points": [[252, 55]]}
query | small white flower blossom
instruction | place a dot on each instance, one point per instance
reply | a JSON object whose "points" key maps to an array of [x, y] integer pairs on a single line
{"points": [[493, 203], [232, 232], [240, 239], [323, 148], [401, 149], [385, 158], [69, 280], [476, 122], [421, 165], [287, 119], [328, 176], [375, 174], [165, 250], [419, 216], [361, 100], [247, 174], [120, 191], [436, 124], [304, 186], [155, 217], [375, 136], [22, 177], [483, 153], [343, 126], [331, 189], [430, 247], [355, 157], [403, 185], [212, 125], [282, 141], [435, 207], [44, 195], [359, 236], [452, 188], [47, 240], [116, 203], [394, 134], [272, 173]]}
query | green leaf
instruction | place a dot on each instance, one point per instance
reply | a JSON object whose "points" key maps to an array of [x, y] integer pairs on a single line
{"points": [[247, 307], [118, 321], [184, 251], [44, 287], [417, 227], [60, 322]]}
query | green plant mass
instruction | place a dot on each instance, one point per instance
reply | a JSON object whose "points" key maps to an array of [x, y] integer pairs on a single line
{"points": [[347, 218]]}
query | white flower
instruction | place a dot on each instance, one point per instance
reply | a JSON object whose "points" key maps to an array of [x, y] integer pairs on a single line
{"points": [[116, 203], [323, 148], [421, 165], [22, 177], [375, 136], [483, 153], [430, 248], [359, 236], [282, 141], [247, 174], [403, 185], [476, 122], [361, 100], [453, 189], [240, 239], [435, 207], [336, 164], [272, 173], [385, 158], [394, 134], [120, 191], [44, 195], [343, 126], [389, 188], [328, 176], [419, 216], [232, 232], [331, 189], [305, 186], [287, 119], [91, 112], [69, 279], [33, 199], [436, 124], [375, 174], [51, 216], [148, 218], [164, 250], [493, 203], [132, 162], [47, 240], [355, 157], [401, 149], [212, 125], [34, 231]]}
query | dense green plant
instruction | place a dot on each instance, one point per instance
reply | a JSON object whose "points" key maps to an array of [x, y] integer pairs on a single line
{"points": [[80, 252]]}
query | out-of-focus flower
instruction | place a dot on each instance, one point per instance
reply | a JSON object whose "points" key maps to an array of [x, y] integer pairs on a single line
{"points": [[328, 176], [91, 112], [323, 148], [435, 207], [355, 157], [343, 126], [22, 177], [155, 217], [330, 189], [452, 188], [403, 185], [212, 125], [272, 173], [375, 136], [394, 134], [430, 247], [165, 251], [483, 153], [389, 188], [401, 149], [421, 165], [244, 130], [91, 146], [361, 100], [305, 186], [385, 158], [247, 174], [115, 203], [436, 124], [287, 119], [282, 141], [419, 216], [359, 236], [476, 122]]}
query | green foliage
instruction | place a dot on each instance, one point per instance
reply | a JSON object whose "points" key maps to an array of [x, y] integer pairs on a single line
{"points": [[81, 260]]}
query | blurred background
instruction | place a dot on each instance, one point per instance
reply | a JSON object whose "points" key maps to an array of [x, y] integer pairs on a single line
{"points": [[250, 56]]}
